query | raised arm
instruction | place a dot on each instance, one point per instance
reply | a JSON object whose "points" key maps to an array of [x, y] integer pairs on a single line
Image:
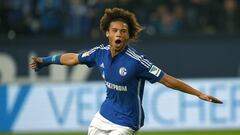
{"points": [[177, 84], [69, 59]]}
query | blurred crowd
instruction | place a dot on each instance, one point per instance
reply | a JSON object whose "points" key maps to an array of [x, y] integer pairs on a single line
{"points": [[76, 18]]}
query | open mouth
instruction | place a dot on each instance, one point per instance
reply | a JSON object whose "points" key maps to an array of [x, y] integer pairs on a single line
{"points": [[118, 41]]}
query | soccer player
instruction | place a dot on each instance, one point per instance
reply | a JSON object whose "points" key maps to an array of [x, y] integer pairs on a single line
{"points": [[124, 71]]}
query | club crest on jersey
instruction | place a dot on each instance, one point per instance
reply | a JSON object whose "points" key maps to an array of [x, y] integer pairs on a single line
{"points": [[123, 71], [155, 70]]}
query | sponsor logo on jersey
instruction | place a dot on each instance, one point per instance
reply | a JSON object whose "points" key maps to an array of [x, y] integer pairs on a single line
{"points": [[123, 71], [155, 70], [115, 87]]}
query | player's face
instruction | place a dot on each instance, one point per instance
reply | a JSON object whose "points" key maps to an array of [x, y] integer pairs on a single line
{"points": [[117, 35]]}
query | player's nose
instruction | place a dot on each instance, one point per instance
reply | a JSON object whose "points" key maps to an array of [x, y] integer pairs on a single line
{"points": [[118, 33]]}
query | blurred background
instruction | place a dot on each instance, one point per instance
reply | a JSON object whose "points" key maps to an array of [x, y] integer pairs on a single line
{"points": [[80, 18], [195, 40]]}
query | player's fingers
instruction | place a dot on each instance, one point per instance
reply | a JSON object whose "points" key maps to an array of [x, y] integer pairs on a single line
{"points": [[210, 99], [215, 100], [33, 66], [33, 63], [36, 59]]}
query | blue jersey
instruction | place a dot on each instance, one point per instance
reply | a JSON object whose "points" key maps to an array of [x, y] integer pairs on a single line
{"points": [[124, 76]]}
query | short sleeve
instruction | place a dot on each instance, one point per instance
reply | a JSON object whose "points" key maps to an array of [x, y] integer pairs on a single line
{"points": [[88, 57], [149, 71]]}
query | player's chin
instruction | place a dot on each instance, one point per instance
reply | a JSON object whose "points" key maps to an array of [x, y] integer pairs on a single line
{"points": [[119, 46], [117, 49]]}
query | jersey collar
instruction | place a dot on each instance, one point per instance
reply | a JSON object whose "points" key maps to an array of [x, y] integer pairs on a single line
{"points": [[119, 54]]}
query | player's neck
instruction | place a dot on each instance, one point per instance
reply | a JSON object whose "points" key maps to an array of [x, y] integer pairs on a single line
{"points": [[115, 52]]}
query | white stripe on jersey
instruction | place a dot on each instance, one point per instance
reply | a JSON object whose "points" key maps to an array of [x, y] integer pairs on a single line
{"points": [[140, 57], [106, 47], [136, 58], [94, 49], [139, 103], [145, 62], [98, 47]]}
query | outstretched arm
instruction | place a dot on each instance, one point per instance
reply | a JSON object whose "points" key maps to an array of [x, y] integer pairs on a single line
{"points": [[69, 59], [177, 84]]}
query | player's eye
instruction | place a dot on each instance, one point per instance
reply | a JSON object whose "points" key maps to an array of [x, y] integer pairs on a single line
{"points": [[114, 30], [124, 31]]}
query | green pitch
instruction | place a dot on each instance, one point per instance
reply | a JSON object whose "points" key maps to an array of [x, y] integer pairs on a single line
{"points": [[220, 132]]}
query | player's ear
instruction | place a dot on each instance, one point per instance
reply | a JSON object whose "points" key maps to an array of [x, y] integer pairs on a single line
{"points": [[107, 33]]}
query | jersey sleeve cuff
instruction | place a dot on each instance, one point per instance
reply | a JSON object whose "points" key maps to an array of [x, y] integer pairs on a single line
{"points": [[157, 79]]}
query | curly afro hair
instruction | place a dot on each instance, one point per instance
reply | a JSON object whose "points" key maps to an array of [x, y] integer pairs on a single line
{"points": [[118, 14]]}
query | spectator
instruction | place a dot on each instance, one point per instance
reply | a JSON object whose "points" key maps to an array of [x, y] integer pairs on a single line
{"points": [[200, 16], [15, 18], [229, 18], [50, 15], [79, 20], [3, 17], [164, 21], [31, 16]]}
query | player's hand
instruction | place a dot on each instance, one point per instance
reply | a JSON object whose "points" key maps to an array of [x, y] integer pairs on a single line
{"points": [[210, 98], [37, 63]]}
